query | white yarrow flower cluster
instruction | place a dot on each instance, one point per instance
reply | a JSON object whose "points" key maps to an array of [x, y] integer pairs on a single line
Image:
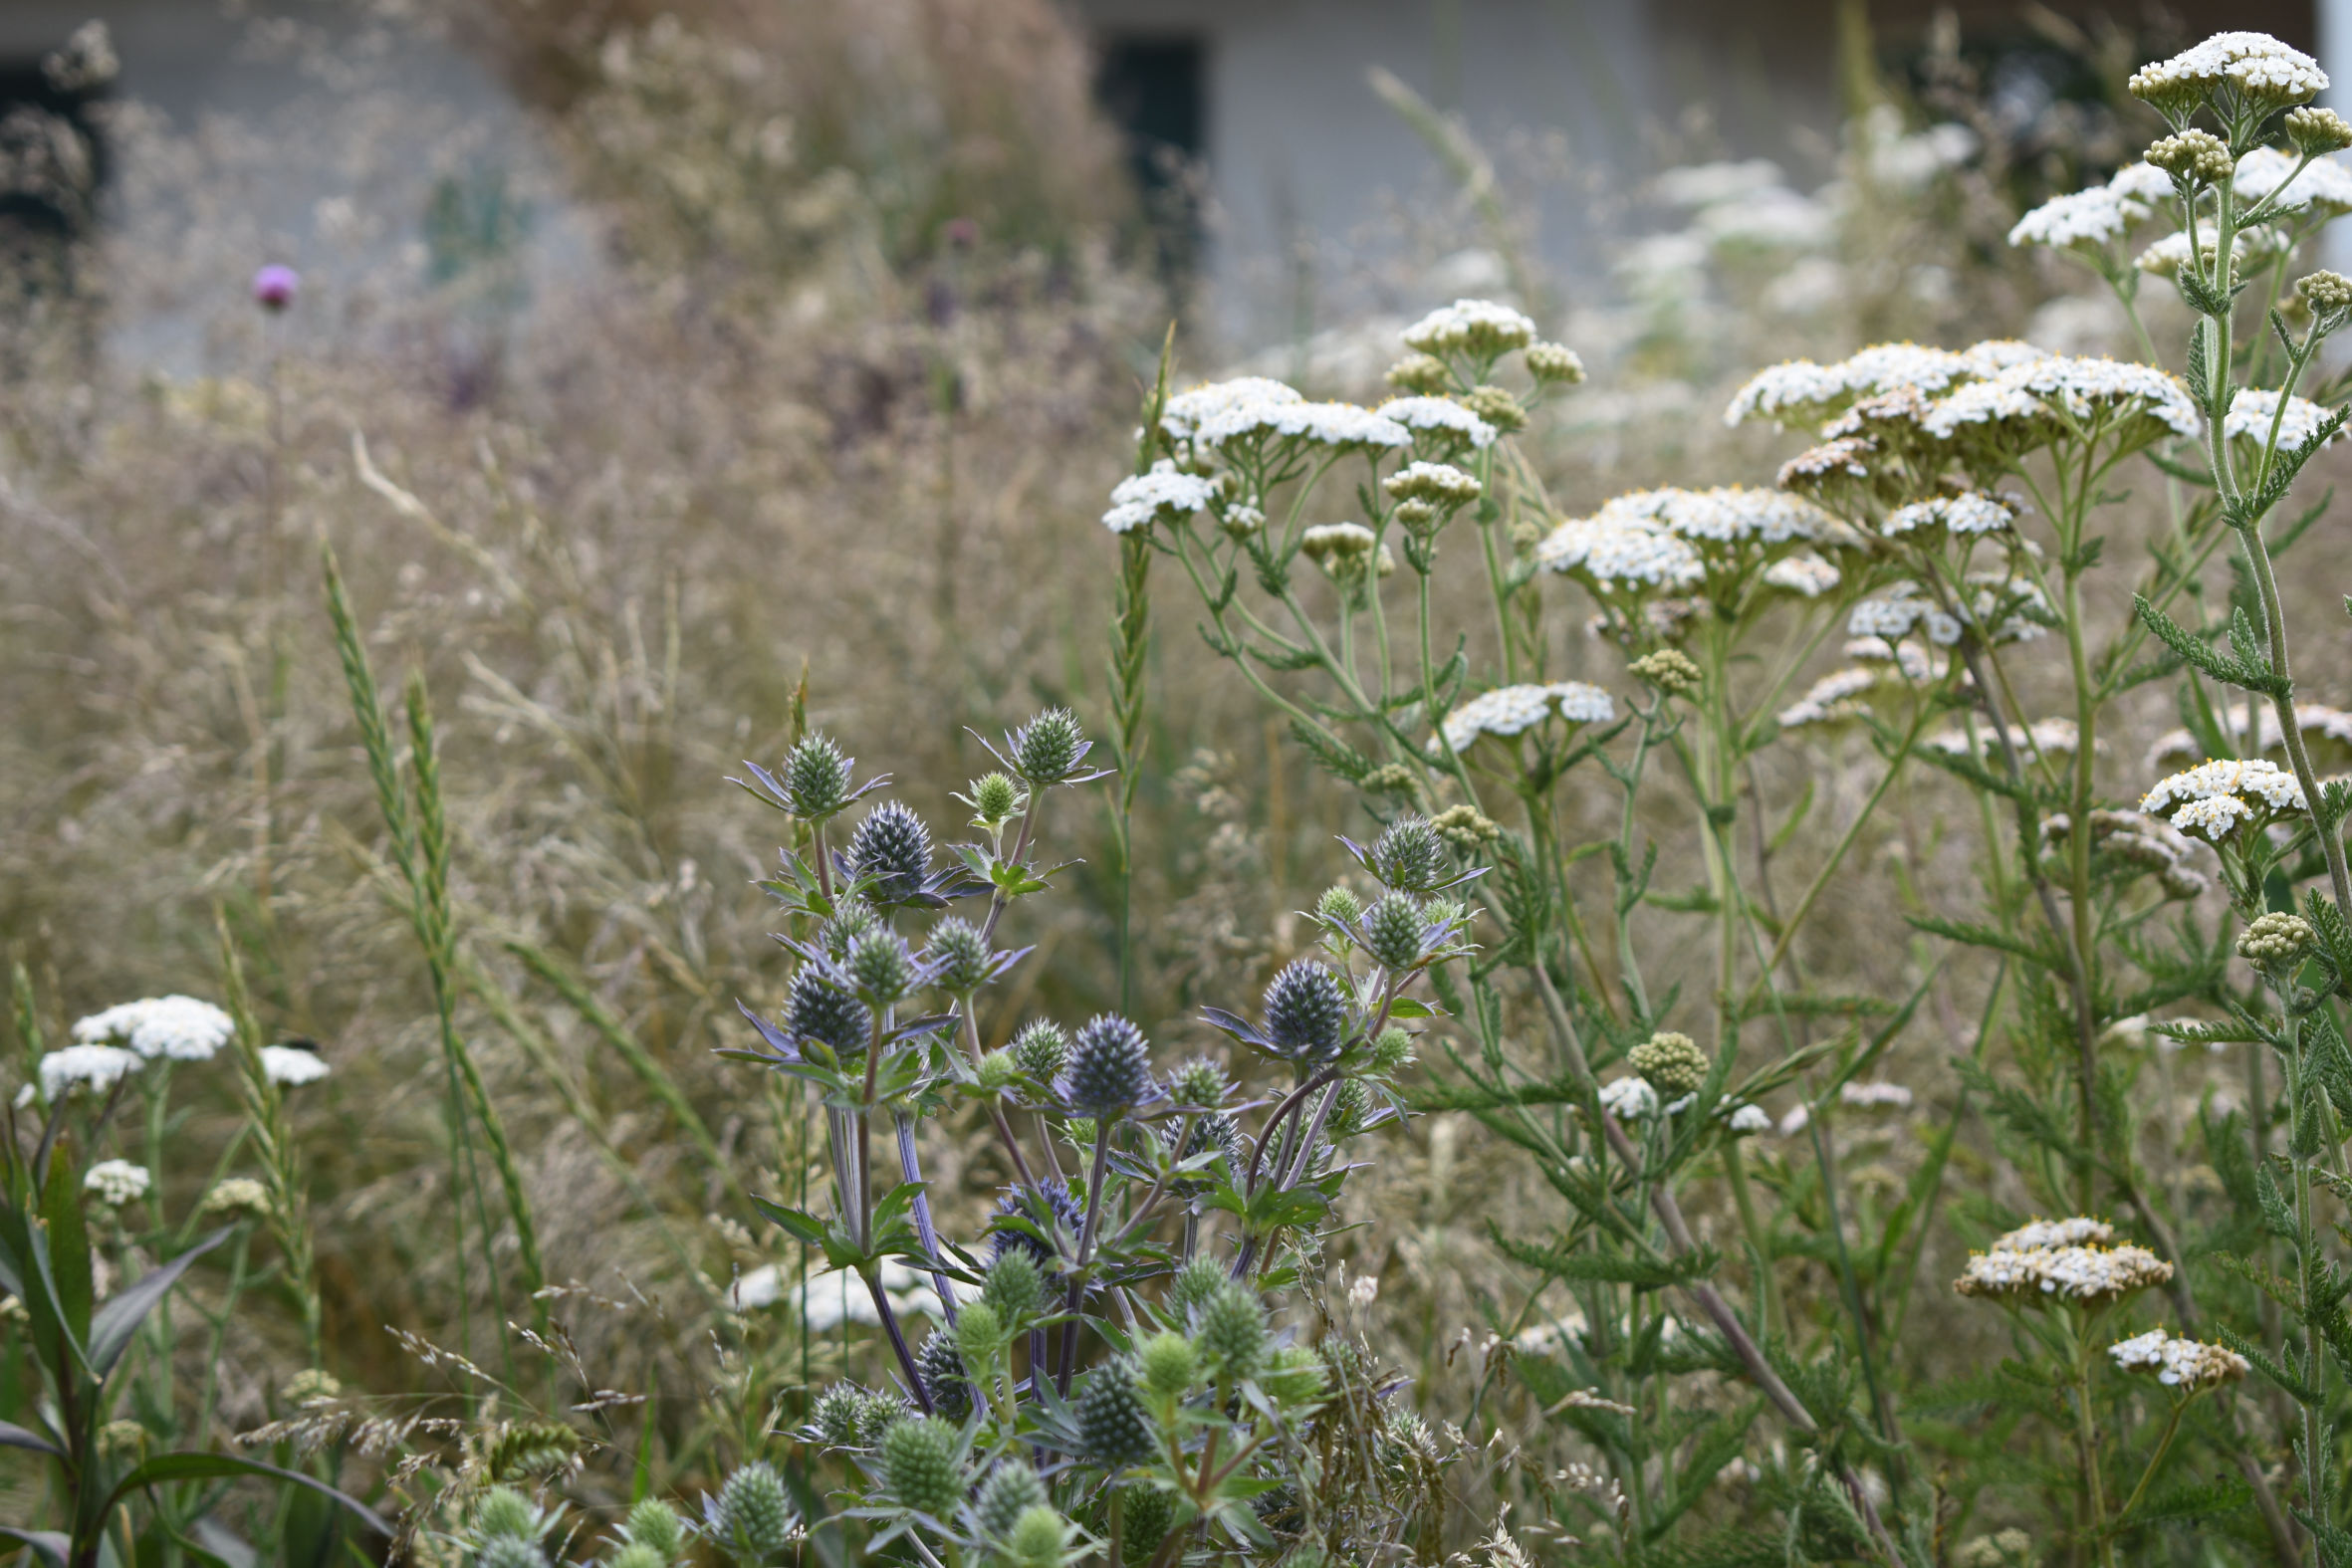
{"points": [[2087, 219], [1515, 710], [96, 1068], [1163, 494], [1971, 513], [2081, 1230], [2251, 411], [2085, 1273], [1725, 515], [183, 1029], [2213, 797], [289, 1067], [1800, 391], [1828, 699], [1420, 481], [2312, 717], [1477, 327], [116, 1182], [1438, 414], [2325, 185], [2165, 257], [1630, 1098], [2176, 1361], [1807, 575], [1893, 617], [1749, 1119], [2254, 65], [2085, 388], [1319, 424], [1186, 412], [1874, 1096], [1622, 551]]}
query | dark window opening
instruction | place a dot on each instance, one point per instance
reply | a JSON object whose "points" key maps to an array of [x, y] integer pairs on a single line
{"points": [[53, 161], [1156, 89]]}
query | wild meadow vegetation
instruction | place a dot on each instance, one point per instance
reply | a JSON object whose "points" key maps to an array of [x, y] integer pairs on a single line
{"points": [[798, 899]]}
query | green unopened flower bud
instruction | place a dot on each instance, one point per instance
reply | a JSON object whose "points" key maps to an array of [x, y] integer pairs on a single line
{"points": [[1466, 827], [997, 1071], [1338, 906], [1168, 1362], [120, 1439], [815, 780], [962, 954], [1554, 363], [881, 966], [996, 798], [1113, 1428], [1232, 1330], [510, 1552], [921, 1469], [502, 1510], [1149, 1514], [1294, 1374], [852, 918], [1040, 1050], [835, 1415], [655, 1525], [638, 1555], [980, 1333], [1444, 912], [1668, 669], [1049, 748], [1392, 932], [1194, 1284], [1421, 373], [753, 1514], [2316, 132], [1011, 1491], [1391, 779], [1199, 1082], [2276, 941], [1392, 1051], [1350, 1105], [1672, 1063], [1039, 1539], [1409, 856], [2327, 292], [1014, 1288], [2199, 156], [1497, 407]]}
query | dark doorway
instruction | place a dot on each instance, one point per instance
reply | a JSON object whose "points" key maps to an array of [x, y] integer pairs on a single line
{"points": [[1156, 89]]}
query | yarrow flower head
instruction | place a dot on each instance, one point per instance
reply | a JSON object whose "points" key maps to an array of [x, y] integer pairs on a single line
{"points": [[2323, 186], [1629, 1099], [1162, 495], [2092, 1276], [1346, 550], [1186, 412], [1554, 363], [2080, 220], [2237, 74], [1970, 512], [1513, 710], [1621, 554], [1440, 484], [1268, 422], [1830, 699], [2132, 404], [2168, 256], [116, 1182], [1670, 670], [181, 1029], [1807, 575], [2252, 411], [2213, 797], [289, 1067], [2196, 157], [1441, 418], [238, 1196], [96, 1068], [1800, 394], [1748, 1120], [2316, 132], [2276, 941], [2034, 1234], [1479, 328], [2178, 1362], [1672, 1062]]}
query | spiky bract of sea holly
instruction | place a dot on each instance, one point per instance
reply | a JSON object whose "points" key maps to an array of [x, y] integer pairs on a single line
{"points": [[653, 1523], [1014, 1287], [1109, 1067], [922, 1468], [1306, 1012], [1392, 1051], [1199, 1082], [1194, 1284], [852, 918], [892, 846], [815, 780], [1148, 1513], [834, 1416], [881, 967], [817, 1009], [1040, 1050], [1049, 748], [753, 1513], [504, 1512], [1230, 1328], [1393, 932], [1409, 856], [1051, 1208], [961, 955], [1114, 1430], [1292, 1375], [942, 1367], [1012, 1490], [1213, 1133], [1338, 906], [876, 1414], [508, 1551]]}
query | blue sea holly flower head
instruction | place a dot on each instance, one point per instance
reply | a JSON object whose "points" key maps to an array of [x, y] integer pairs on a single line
{"points": [[1307, 1017], [815, 783], [1048, 749], [1410, 856], [1109, 1068], [888, 861]]}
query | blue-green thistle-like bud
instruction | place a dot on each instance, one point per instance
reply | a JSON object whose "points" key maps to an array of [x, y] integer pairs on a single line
{"points": [[1014, 1287], [638, 1555], [1199, 1082], [1392, 932], [1393, 1051], [961, 955], [1079, 1130], [509, 1551], [1230, 1328], [1349, 1107], [1194, 1284], [876, 1414], [834, 1415], [1168, 1364], [942, 1367], [1114, 1430], [754, 1513], [1338, 906], [883, 967], [1409, 856], [817, 1009], [1294, 1374], [996, 798], [815, 780], [996, 1070], [1011, 1491], [1049, 748], [1040, 1050], [1307, 1012], [852, 918], [654, 1524], [1039, 1539], [504, 1512], [1149, 1512], [1109, 1067], [892, 846], [1050, 1206], [921, 1469], [980, 1333], [1217, 1133]]}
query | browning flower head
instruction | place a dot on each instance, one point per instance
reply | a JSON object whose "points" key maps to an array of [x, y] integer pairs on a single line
{"points": [[2178, 1362], [2088, 1275]]}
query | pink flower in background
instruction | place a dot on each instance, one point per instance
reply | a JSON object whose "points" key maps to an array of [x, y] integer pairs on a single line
{"points": [[273, 287]]}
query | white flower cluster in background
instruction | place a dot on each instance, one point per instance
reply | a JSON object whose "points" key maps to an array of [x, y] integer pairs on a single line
{"points": [[1971, 513], [1829, 699], [2089, 218], [1513, 710], [1893, 617], [1419, 480], [2089, 1275], [1186, 412], [2080, 1231], [2088, 389], [291, 1066], [2176, 1361], [2324, 186], [2213, 797], [2251, 411], [1473, 326], [1621, 551], [1162, 495], [1438, 414], [1319, 424], [1630, 1098], [181, 1029], [1806, 574], [1800, 392], [2313, 719], [1725, 515], [1875, 1096], [2165, 257], [116, 1182]]}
